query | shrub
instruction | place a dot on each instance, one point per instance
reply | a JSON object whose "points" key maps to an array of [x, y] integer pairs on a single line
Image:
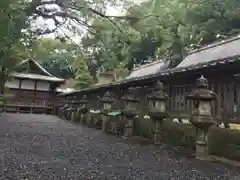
{"points": [[222, 142], [147, 127], [225, 142], [179, 134]]}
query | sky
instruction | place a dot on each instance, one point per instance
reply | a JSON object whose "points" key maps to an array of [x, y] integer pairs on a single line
{"points": [[112, 11]]}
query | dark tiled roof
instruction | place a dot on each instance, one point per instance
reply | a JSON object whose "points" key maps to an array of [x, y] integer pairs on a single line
{"points": [[149, 69], [164, 73], [220, 50]]}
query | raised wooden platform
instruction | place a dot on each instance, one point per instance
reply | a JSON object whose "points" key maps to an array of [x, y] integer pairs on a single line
{"points": [[28, 107]]}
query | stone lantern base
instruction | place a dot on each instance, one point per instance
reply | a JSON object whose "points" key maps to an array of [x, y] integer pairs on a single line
{"points": [[130, 115], [202, 152], [77, 116], [157, 138], [73, 115], [128, 128], [105, 123], [158, 118], [83, 118]]}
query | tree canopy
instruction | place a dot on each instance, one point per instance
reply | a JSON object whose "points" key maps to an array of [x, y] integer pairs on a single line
{"points": [[12, 20], [154, 28], [166, 29]]}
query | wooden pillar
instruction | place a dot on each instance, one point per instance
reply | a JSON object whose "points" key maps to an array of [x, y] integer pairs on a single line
{"points": [[218, 101], [20, 84], [141, 109], [170, 102], [231, 99], [35, 92]]}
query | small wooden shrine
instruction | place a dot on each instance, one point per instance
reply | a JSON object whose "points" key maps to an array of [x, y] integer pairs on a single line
{"points": [[31, 88]]}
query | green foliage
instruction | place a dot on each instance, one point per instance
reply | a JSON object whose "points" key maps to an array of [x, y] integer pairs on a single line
{"points": [[179, 134], [41, 48], [55, 56], [59, 65], [230, 147], [146, 128], [82, 76], [165, 29], [13, 20], [121, 71], [153, 28], [8, 95]]}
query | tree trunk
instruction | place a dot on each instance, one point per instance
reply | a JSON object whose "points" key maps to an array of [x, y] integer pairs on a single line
{"points": [[3, 80]]}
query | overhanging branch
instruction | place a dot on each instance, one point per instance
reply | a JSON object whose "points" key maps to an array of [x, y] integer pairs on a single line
{"points": [[65, 11]]}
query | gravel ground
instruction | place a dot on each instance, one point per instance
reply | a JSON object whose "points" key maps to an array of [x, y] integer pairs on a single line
{"points": [[43, 147]]}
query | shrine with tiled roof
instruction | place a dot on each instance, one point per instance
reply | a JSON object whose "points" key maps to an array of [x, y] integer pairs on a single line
{"points": [[32, 86]]}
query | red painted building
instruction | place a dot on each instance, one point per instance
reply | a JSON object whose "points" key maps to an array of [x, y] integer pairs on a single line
{"points": [[32, 86]]}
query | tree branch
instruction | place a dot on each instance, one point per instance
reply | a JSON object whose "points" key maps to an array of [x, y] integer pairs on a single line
{"points": [[49, 31], [66, 7]]}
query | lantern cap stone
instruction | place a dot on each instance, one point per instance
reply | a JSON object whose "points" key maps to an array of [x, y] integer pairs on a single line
{"points": [[202, 92], [130, 97], [84, 99], [158, 92], [107, 97], [202, 82], [158, 85]]}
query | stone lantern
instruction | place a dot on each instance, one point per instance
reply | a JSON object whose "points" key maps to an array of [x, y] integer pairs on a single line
{"points": [[201, 116], [68, 111], [130, 112], [62, 111], [83, 110], [107, 102], [158, 110], [96, 114]]}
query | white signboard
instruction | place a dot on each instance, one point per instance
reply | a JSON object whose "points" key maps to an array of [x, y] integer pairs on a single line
{"points": [[14, 84], [28, 84], [43, 86]]}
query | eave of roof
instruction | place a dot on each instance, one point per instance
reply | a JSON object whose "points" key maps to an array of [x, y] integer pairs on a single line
{"points": [[164, 73], [148, 69], [64, 90], [38, 65], [222, 52], [37, 77]]}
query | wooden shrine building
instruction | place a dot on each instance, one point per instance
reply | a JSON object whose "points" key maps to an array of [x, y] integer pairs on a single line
{"points": [[219, 62], [31, 89]]}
